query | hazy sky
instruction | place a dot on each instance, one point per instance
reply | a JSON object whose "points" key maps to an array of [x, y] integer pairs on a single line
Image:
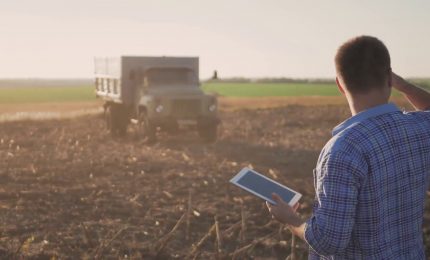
{"points": [[56, 38]]}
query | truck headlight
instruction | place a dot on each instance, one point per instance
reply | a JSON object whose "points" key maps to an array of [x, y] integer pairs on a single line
{"points": [[159, 108], [212, 108]]}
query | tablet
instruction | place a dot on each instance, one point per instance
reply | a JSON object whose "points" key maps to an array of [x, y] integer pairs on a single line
{"points": [[263, 186]]}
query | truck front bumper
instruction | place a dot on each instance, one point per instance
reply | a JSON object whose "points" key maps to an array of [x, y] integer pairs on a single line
{"points": [[196, 121]]}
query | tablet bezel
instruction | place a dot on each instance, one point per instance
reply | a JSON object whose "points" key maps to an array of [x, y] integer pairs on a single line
{"points": [[242, 173]]}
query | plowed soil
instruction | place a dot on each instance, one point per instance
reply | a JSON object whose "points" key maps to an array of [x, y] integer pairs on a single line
{"points": [[69, 190]]}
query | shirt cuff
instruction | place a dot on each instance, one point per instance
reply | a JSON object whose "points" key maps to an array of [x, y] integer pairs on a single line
{"points": [[312, 239], [308, 234]]}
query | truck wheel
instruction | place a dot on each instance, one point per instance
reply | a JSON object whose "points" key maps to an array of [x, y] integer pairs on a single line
{"points": [[208, 133], [116, 119], [147, 129], [122, 128]]}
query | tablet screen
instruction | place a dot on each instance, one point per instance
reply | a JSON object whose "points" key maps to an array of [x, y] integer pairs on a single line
{"points": [[264, 186]]}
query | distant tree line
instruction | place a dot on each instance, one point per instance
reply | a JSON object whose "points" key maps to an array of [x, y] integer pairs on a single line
{"points": [[269, 80]]}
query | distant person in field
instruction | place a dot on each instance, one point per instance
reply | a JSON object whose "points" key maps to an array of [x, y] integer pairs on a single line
{"points": [[371, 178], [215, 75]]}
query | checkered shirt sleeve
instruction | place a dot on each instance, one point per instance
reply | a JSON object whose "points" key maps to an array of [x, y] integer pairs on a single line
{"points": [[338, 179]]}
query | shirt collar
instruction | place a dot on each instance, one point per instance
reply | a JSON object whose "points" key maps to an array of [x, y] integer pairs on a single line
{"points": [[363, 115]]}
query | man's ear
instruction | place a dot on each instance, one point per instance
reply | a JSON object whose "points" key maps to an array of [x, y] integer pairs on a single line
{"points": [[390, 78], [339, 86]]}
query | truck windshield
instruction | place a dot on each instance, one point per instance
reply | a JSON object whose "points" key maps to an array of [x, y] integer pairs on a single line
{"points": [[169, 76]]}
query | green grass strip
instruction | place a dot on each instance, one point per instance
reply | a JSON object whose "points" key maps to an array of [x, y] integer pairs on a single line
{"points": [[271, 89], [46, 94]]}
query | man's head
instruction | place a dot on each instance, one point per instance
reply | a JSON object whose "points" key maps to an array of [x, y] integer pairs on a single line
{"points": [[363, 65]]}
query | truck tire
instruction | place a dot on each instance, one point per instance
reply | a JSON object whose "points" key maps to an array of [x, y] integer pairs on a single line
{"points": [[147, 130], [116, 119], [209, 132]]}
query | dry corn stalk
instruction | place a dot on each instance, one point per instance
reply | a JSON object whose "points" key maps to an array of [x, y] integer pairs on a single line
{"points": [[168, 194], [218, 237], [231, 229], [237, 253], [189, 209], [200, 243], [104, 244], [162, 242], [293, 247], [243, 225]]}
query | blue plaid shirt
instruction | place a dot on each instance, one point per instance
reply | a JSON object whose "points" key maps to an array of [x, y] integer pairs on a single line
{"points": [[371, 181]]}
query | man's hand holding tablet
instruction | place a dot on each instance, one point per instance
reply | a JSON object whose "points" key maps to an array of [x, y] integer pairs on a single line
{"points": [[281, 201]]}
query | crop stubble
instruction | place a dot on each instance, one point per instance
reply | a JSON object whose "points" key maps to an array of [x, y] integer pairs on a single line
{"points": [[69, 190]]}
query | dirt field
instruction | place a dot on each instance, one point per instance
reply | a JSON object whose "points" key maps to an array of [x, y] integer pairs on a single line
{"points": [[50, 110], [68, 190]]}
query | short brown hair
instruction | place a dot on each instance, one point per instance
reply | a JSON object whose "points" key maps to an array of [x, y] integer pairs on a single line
{"points": [[363, 63]]}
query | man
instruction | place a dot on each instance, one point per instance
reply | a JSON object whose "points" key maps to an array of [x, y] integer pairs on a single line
{"points": [[372, 176]]}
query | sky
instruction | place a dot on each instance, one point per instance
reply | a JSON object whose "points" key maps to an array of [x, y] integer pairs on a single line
{"points": [[238, 38]]}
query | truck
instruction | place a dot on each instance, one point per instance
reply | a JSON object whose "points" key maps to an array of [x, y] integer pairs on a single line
{"points": [[155, 93]]}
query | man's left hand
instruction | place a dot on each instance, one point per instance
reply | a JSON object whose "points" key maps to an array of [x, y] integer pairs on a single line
{"points": [[283, 212]]}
